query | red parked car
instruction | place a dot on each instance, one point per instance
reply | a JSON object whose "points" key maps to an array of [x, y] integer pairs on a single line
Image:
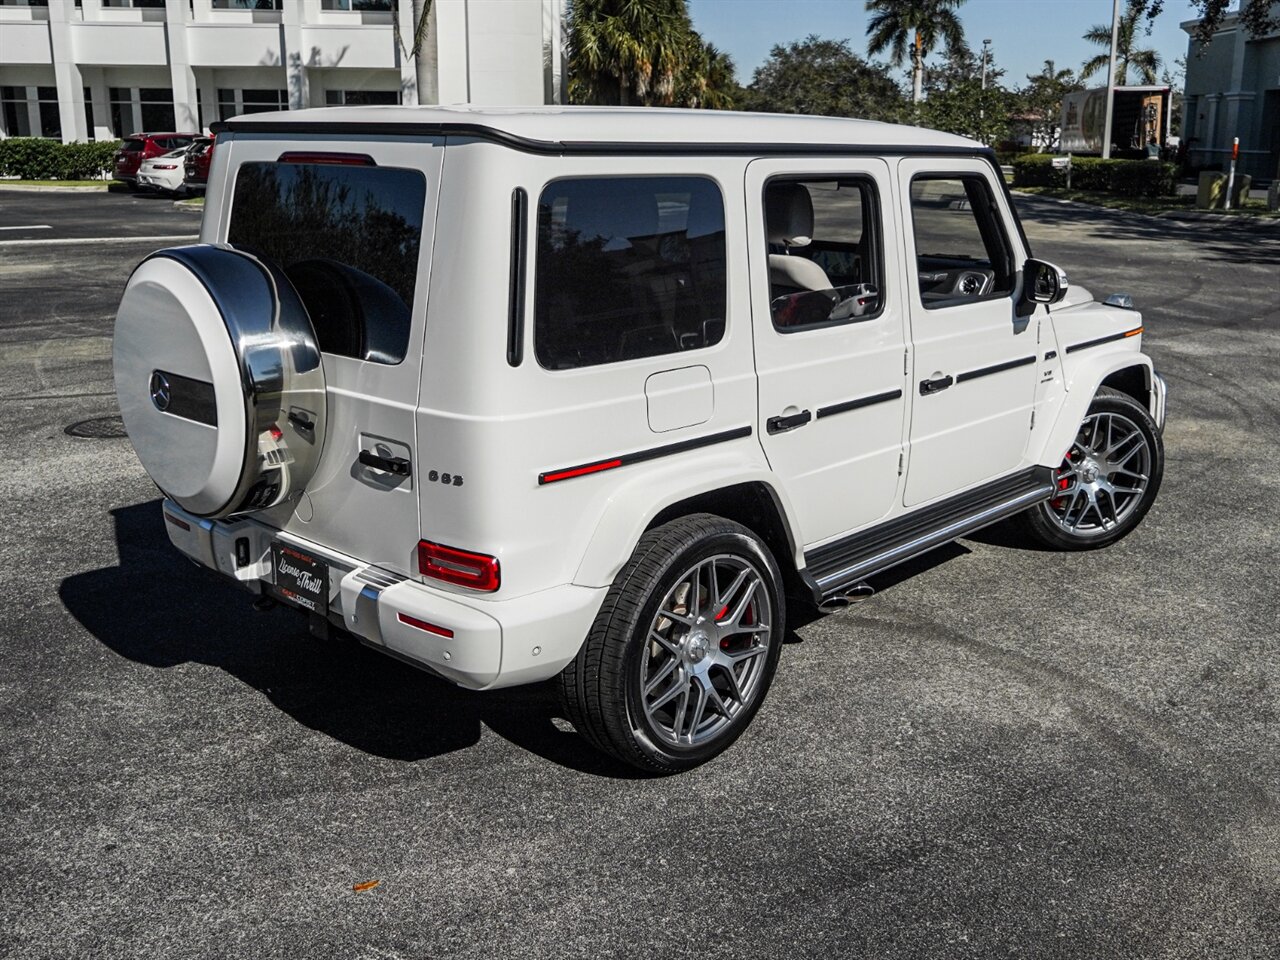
{"points": [[197, 164], [144, 146]]}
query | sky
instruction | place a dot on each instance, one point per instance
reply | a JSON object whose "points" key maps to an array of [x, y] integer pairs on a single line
{"points": [[1023, 33]]}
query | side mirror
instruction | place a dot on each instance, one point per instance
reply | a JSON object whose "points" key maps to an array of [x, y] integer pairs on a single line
{"points": [[1042, 282]]}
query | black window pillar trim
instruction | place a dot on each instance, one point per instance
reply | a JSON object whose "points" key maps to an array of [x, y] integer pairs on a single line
{"points": [[519, 260]]}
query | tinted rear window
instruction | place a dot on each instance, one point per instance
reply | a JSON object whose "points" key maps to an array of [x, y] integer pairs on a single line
{"points": [[628, 267], [347, 237], [132, 146]]}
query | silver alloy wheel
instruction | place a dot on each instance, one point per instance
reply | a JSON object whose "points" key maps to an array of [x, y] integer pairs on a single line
{"points": [[1103, 478], [705, 657]]}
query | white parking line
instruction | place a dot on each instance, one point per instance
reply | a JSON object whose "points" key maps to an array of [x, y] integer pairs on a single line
{"points": [[67, 241], [32, 226]]}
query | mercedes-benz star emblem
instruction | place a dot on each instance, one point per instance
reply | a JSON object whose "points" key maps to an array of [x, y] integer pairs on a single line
{"points": [[161, 394]]}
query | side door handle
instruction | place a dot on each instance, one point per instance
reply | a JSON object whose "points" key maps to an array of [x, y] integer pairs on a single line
{"points": [[936, 385], [783, 424], [396, 465]]}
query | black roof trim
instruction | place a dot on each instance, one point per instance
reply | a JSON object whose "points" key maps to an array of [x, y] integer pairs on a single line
{"points": [[590, 147]]}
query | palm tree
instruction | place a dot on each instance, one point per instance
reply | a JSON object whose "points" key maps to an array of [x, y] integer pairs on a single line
{"points": [[896, 25], [1147, 62], [1049, 74], [627, 51], [708, 79]]}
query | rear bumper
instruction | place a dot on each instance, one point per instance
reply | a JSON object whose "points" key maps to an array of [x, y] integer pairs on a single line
{"points": [[478, 644]]}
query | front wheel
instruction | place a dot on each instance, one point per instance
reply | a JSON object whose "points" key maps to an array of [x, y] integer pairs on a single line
{"points": [[1108, 480], [684, 648]]}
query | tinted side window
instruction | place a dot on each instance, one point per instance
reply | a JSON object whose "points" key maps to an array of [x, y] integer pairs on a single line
{"points": [[962, 251], [628, 267], [348, 239]]}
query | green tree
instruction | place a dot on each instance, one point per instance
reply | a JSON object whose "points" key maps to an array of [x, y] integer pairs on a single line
{"points": [[1040, 103], [708, 79], [912, 28], [643, 53], [1146, 63], [958, 102], [823, 78], [1256, 15]]}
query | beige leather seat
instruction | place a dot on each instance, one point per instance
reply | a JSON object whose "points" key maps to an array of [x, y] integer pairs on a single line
{"points": [[789, 223]]}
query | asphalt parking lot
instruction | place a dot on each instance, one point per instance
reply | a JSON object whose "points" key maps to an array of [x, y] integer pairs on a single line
{"points": [[1003, 752]]}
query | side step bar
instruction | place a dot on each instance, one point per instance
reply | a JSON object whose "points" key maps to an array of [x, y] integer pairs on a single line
{"points": [[839, 565]]}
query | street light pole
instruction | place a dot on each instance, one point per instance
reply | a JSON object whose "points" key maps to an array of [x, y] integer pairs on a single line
{"points": [[1111, 79], [986, 47]]}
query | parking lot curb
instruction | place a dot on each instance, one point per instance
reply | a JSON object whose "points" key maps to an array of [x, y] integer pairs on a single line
{"points": [[29, 188]]}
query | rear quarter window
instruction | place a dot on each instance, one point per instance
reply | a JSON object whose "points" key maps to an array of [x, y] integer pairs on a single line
{"points": [[347, 237], [628, 267]]}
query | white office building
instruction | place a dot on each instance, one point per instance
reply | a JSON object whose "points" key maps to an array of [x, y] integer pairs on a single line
{"points": [[103, 69]]}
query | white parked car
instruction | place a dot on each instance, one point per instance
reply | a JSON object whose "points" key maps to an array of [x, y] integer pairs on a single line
{"points": [[165, 172], [587, 393]]}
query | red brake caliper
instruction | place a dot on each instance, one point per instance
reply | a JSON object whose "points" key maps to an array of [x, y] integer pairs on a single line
{"points": [[748, 619]]}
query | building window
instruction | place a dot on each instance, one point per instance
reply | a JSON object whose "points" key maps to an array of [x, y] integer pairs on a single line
{"points": [[157, 108], [137, 4], [246, 4], [13, 106], [121, 111], [361, 98], [88, 114], [154, 110], [232, 103], [628, 267], [50, 118], [355, 4]]}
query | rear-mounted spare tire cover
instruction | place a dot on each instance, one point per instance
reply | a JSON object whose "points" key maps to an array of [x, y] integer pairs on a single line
{"points": [[219, 380]]}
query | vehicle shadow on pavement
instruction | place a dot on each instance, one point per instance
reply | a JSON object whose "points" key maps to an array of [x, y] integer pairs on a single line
{"points": [[159, 609], [1227, 239]]}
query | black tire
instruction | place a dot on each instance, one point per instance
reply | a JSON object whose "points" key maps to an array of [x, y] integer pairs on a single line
{"points": [[601, 688], [1039, 523]]}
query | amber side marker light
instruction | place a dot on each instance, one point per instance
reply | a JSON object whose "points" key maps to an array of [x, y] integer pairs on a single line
{"points": [[479, 571], [1134, 332]]}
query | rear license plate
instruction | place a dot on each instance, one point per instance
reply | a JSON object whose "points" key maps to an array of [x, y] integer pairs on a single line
{"points": [[301, 579]]}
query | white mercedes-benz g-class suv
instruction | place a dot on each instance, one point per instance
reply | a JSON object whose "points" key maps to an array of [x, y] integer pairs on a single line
{"points": [[586, 393]]}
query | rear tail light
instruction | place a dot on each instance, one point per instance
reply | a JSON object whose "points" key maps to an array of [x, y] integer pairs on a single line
{"points": [[462, 567]]}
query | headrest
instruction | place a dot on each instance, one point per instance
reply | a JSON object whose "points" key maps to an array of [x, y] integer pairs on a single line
{"points": [[788, 214]]}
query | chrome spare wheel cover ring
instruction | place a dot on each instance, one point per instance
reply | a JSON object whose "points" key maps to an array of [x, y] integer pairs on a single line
{"points": [[1103, 478], [704, 659]]}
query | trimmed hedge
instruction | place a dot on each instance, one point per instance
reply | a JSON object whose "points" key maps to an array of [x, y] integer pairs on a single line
{"points": [[38, 158], [1126, 178]]}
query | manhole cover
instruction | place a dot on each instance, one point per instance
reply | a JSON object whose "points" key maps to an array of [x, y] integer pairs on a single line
{"points": [[97, 428]]}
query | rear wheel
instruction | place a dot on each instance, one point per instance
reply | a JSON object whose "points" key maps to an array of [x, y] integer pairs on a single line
{"points": [[684, 648], [1108, 480]]}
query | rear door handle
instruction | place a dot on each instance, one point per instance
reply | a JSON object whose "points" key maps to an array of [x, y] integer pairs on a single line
{"points": [[783, 424], [936, 385], [396, 465]]}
